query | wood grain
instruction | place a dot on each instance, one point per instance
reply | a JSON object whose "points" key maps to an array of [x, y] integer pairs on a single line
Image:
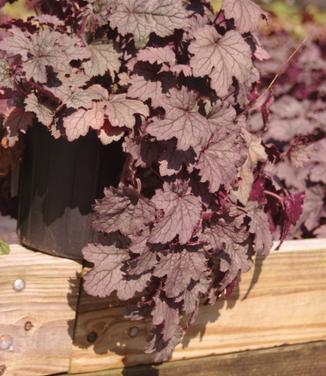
{"points": [[308, 359], [286, 304], [40, 318]]}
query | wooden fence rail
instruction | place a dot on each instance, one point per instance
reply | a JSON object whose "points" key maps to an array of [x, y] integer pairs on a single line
{"points": [[282, 301]]}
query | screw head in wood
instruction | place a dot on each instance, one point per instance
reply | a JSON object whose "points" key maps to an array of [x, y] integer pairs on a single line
{"points": [[92, 337], [28, 326], [133, 331], [18, 285], [6, 342]]}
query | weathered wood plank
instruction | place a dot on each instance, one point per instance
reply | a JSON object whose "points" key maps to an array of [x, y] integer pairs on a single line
{"points": [[308, 359], [286, 306], [40, 318]]}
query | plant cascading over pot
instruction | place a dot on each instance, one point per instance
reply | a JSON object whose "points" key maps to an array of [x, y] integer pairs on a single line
{"points": [[175, 80]]}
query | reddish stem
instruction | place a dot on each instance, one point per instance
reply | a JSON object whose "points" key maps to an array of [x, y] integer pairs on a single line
{"points": [[272, 194]]}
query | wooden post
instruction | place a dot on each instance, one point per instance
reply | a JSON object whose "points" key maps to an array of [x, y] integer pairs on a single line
{"points": [[38, 296]]}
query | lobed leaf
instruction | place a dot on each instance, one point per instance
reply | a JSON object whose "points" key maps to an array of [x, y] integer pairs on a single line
{"points": [[180, 268], [143, 17], [104, 58], [182, 213], [246, 14], [121, 111], [220, 58], [79, 122], [123, 210], [182, 121], [218, 163], [107, 277]]}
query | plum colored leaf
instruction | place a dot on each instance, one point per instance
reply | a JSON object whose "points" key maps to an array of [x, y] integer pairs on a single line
{"points": [[293, 206], [220, 58], [288, 107], [16, 43], [73, 92], [79, 122], [143, 17], [294, 177], [43, 49], [18, 121], [180, 268], [321, 232], [257, 190], [182, 68], [292, 212], [107, 276], [172, 160], [6, 80], [158, 55], [317, 172], [77, 97], [260, 52], [286, 129], [313, 207], [109, 134], [256, 153], [246, 14], [300, 154], [233, 260], [44, 114], [182, 121], [123, 210], [222, 235], [49, 20], [191, 296], [104, 58], [121, 111], [259, 226], [182, 211], [162, 350], [246, 176], [143, 263], [222, 115], [164, 314], [143, 89], [218, 163]]}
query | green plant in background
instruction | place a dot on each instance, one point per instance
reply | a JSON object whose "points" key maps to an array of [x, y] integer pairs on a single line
{"points": [[296, 18], [18, 9], [217, 4], [291, 16], [4, 248]]}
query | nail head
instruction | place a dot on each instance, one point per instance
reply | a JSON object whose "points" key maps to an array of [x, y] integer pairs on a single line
{"points": [[19, 285], [6, 342], [92, 337], [133, 331]]}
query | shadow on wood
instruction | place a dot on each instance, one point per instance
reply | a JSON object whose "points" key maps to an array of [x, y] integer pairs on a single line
{"points": [[279, 309]]}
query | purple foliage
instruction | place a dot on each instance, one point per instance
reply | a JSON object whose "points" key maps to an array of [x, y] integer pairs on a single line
{"points": [[176, 81], [297, 126]]}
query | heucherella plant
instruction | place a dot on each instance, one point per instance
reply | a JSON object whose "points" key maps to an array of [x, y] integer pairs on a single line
{"points": [[297, 125], [176, 81]]}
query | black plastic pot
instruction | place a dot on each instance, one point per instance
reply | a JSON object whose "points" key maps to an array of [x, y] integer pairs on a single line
{"points": [[59, 181]]}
